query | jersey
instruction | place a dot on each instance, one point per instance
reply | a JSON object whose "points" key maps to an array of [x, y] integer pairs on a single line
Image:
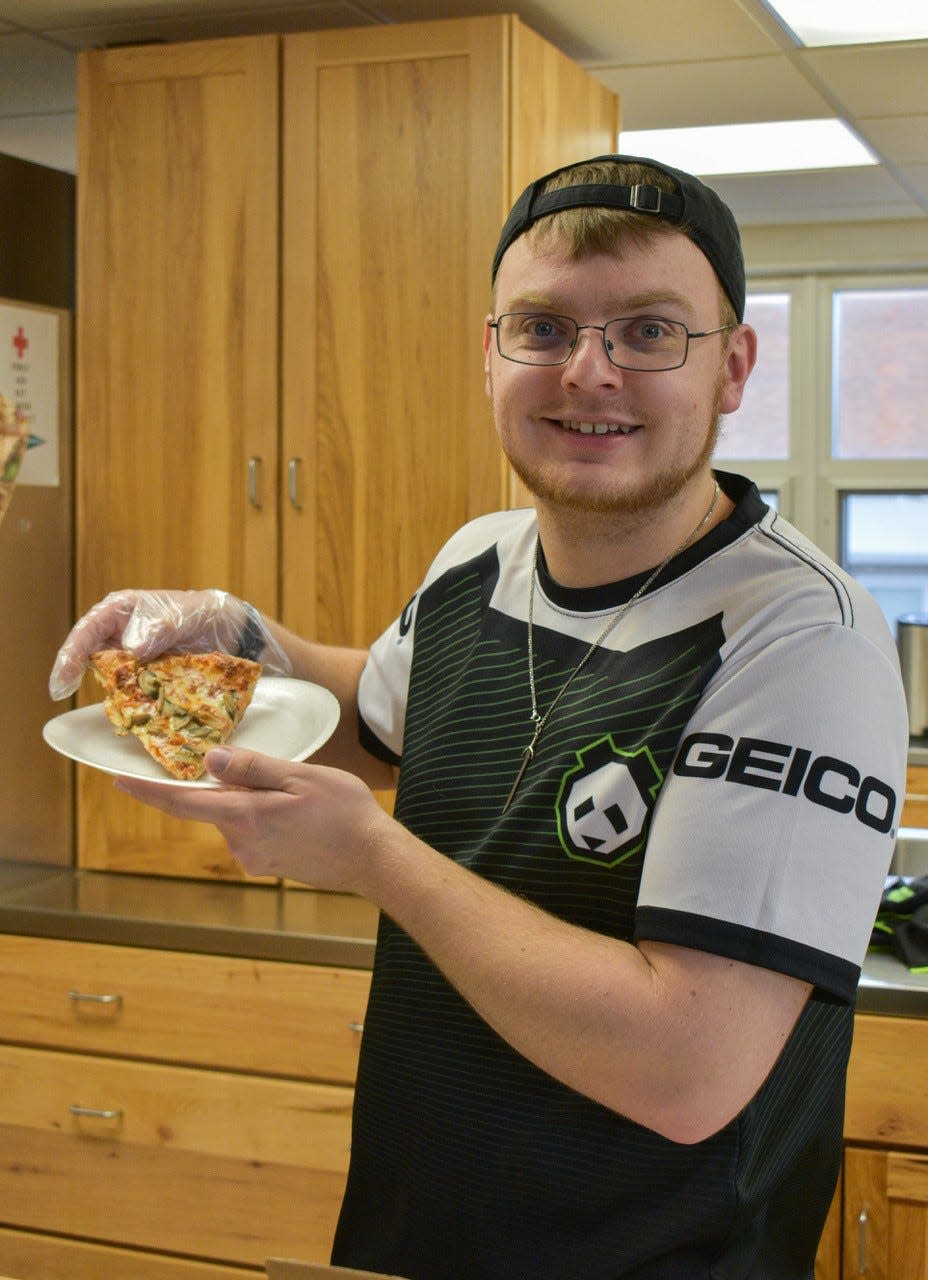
{"points": [[723, 772]]}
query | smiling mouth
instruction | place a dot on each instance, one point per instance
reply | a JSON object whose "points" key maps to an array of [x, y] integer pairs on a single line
{"points": [[598, 428]]}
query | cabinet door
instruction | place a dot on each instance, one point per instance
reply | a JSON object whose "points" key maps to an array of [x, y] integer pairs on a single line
{"points": [[394, 178], [403, 149], [177, 358], [885, 1215]]}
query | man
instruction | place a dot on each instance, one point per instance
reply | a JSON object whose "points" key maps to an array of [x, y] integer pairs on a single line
{"points": [[650, 743]]}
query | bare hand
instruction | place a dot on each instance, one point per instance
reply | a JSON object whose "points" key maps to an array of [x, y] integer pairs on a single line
{"points": [[304, 822]]}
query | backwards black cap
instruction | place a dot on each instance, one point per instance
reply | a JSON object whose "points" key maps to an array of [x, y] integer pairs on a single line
{"points": [[702, 215]]}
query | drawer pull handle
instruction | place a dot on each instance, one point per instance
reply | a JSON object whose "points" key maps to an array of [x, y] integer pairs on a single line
{"points": [[356, 1026], [253, 482], [294, 467], [87, 997], [862, 1222], [96, 1113]]}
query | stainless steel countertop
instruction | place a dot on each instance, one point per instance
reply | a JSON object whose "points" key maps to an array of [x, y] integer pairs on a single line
{"points": [[887, 986], [264, 922], [270, 923]]}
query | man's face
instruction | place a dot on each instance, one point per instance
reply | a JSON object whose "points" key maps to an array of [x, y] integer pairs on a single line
{"points": [[660, 427]]}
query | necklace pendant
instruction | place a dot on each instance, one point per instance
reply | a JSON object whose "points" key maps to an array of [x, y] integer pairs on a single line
{"points": [[527, 757], [526, 761]]}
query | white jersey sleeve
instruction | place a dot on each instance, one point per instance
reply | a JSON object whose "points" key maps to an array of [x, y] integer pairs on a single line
{"points": [[778, 816]]}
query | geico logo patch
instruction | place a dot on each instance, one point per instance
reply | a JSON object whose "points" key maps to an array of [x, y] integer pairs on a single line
{"points": [[604, 803], [777, 766]]}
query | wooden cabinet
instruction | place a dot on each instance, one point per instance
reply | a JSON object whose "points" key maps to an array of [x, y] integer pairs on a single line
{"points": [[915, 805], [188, 1106], [878, 1227], [363, 300], [176, 1116], [885, 1215]]}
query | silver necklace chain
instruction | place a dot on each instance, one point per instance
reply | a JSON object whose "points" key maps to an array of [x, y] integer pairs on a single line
{"points": [[538, 719]]}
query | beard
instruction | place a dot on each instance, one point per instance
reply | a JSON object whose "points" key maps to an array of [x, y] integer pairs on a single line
{"points": [[547, 484]]}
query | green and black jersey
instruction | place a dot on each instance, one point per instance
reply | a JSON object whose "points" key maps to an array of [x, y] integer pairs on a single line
{"points": [[722, 773]]}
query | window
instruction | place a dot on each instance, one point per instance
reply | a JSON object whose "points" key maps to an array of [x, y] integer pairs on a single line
{"points": [[884, 544], [879, 373], [833, 423], [760, 428]]}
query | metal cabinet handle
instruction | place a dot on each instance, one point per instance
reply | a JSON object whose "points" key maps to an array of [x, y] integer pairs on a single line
{"points": [[87, 997], [294, 469], [96, 1113], [356, 1026], [863, 1221], [254, 474]]}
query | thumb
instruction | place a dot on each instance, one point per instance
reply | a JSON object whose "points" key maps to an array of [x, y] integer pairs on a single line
{"points": [[241, 768], [217, 762]]}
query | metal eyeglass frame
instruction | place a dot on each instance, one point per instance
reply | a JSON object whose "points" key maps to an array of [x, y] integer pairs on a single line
{"points": [[553, 364]]}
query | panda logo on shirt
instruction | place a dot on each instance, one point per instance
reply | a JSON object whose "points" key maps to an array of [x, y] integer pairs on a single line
{"points": [[605, 801]]}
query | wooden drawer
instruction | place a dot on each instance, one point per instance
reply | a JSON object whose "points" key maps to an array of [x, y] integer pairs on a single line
{"points": [[242, 1015], [34, 1257], [210, 1164], [886, 1099]]}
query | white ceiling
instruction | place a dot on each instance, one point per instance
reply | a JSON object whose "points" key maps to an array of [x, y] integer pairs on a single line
{"points": [[684, 62]]}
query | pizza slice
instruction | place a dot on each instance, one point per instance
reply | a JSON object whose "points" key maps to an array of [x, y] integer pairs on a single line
{"points": [[179, 706]]}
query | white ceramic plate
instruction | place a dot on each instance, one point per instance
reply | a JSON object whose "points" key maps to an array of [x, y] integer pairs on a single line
{"points": [[286, 718]]}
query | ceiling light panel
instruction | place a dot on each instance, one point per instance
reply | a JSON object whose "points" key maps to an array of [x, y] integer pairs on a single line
{"points": [[769, 147], [830, 22]]}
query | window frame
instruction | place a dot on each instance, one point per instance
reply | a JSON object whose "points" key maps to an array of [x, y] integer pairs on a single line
{"points": [[810, 481]]}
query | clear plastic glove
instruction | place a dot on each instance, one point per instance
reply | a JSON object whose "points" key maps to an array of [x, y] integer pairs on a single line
{"points": [[154, 622]]}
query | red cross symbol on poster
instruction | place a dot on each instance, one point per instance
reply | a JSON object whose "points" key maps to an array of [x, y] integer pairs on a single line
{"points": [[20, 341]]}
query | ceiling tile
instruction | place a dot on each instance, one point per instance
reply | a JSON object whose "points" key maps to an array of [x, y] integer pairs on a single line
{"points": [[806, 197], [741, 91], [917, 176], [903, 138], [203, 26], [621, 31], [53, 15], [877, 80], [686, 30]]}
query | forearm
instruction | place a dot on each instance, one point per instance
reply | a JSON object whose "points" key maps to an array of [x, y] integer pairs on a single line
{"points": [[659, 1034]]}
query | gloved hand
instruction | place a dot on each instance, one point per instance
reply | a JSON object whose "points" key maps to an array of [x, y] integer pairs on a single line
{"points": [[154, 622]]}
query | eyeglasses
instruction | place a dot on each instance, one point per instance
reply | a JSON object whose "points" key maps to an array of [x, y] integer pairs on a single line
{"points": [[636, 342]]}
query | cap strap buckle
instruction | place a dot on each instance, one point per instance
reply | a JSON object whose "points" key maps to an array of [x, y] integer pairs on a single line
{"points": [[645, 198]]}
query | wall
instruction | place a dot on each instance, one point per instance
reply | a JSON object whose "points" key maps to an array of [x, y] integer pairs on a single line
{"points": [[893, 244]]}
